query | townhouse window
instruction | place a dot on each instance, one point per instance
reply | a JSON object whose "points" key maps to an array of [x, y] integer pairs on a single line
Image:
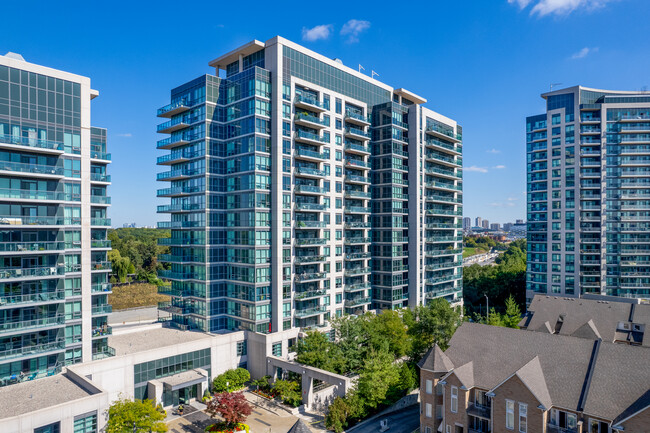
{"points": [[427, 429], [596, 426], [510, 414], [523, 417], [428, 411], [429, 386], [454, 399]]}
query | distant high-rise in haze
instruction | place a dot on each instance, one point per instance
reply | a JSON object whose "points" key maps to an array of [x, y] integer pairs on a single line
{"points": [[485, 224], [467, 223], [478, 222]]}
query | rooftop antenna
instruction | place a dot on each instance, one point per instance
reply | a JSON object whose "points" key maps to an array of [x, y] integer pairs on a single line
{"points": [[555, 84], [372, 75], [361, 67]]}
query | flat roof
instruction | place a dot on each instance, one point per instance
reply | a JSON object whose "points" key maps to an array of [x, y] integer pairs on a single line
{"points": [[184, 379], [245, 50], [148, 339], [35, 395]]}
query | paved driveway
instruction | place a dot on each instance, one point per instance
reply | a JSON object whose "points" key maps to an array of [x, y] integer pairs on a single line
{"points": [[402, 421]]}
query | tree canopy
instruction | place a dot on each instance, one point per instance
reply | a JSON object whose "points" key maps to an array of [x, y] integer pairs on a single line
{"points": [[135, 251], [137, 416]]}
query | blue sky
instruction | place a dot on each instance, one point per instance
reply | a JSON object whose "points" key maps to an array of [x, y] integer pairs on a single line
{"points": [[482, 62]]}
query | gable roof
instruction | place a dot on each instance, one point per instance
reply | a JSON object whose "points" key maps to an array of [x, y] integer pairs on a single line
{"points": [[640, 405], [555, 368], [299, 427], [544, 312], [436, 361]]}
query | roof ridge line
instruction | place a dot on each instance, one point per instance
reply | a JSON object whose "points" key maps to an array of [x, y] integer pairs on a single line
{"points": [[589, 375]]}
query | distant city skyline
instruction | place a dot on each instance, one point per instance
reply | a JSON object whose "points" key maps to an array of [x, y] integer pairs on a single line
{"points": [[481, 83]]}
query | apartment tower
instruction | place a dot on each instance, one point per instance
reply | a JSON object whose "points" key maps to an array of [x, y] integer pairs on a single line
{"points": [[53, 202], [589, 194], [301, 190]]}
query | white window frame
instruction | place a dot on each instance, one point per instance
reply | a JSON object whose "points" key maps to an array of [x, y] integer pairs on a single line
{"points": [[510, 410], [429, 386], [454, 399], [428, 410], [448, 428], [523, 416]]}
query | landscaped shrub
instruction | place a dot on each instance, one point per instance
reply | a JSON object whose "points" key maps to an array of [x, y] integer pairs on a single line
{"points": [[231, 380]]}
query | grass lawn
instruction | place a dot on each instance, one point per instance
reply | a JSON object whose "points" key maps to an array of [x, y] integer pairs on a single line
{"points": [[135, 295], [467, 251]]}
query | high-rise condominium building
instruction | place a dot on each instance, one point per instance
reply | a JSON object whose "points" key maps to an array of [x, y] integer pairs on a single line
{"points": [[53, 202], [495, 226], [479, 222], [467, 223], [588, 189], [485, 224], [301, 190]]}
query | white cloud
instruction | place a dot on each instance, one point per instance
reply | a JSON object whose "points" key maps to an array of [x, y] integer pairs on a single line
{"points": [[476, 169], [559, 7], [126, 135], [501, 204], [513, 198], [499, 167], [493, 150], [584, 53], [353, 29], [316, 33]]}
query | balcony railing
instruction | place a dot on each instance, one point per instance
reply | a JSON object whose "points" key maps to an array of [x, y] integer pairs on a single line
{"points": [[33, 323], [34, 350], [19, 247], [304, 135], [21, 167], [310, 311], [31, 142], [310, 171], [98, 310], [358, 301], [310, 224], [9, 273]]}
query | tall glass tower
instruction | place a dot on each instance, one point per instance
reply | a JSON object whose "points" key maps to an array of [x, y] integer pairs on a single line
{"points": [[54, 271], [589, 194], [301, 190]]}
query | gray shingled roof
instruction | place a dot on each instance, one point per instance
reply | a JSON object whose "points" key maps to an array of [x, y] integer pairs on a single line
{"points": [[500, 352], [544, 311], [554, 367], [300, 427], [435, 360]]}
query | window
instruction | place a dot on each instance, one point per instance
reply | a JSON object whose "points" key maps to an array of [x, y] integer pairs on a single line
{"points": [[448, 429], [510, 414], [85, 423], [277, 349], [454, 399], [428, 410], [429, 386], [52, 428], [523, 417], [596, 426], [241, 348]]}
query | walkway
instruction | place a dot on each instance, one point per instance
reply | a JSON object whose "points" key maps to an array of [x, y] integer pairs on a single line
{"points": [[402, 421]]}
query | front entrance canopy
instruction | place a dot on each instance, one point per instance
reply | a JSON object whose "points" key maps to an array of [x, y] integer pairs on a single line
{"points": [[183, 380]]}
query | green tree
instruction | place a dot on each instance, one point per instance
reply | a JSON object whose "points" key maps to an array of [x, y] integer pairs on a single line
{"points": [[137, 416], [316, 350], [512, 317], [379, 373], [230, 380], [435, 322], [388, 328], [337, 415], [289, 391]]}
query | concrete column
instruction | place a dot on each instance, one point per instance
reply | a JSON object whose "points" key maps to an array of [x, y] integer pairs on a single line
{"points": [[307, 391], [155, 391]]}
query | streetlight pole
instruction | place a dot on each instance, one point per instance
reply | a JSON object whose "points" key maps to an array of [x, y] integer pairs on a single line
{"points": [[487, 308]]}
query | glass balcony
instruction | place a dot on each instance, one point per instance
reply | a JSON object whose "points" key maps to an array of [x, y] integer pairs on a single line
{"points": [[179, 174], [100, 222], [357, 256], [26, 194], [101, 331], [300, 224], [357, 209], [101, 288], [310, 276], [310, 137], [356, 240], [357, 148], [100, 199], [358, 301], [307, 171], [172, 125], [100, 155], [446, 133], [352, 178], [100, 177], [445, 265], [103, 352], [8, 301], [307, 312], [311, 206], [443, 185], [350, 272], [310, 259], [356, 287], [309, 295], [309, 102], [32, 350], [358, 118], [171, 142], [20, 167], [11, 273], [355, 163], [310, 241], [357, 133], [101, 310], [174, 108], [100, 243], [100, 266], [34, 143], [28, 247], [180, 207], [309, 120], [357, 225], [357, 194], [21, 325], [306, 153], [309, 189], [433, 142]]}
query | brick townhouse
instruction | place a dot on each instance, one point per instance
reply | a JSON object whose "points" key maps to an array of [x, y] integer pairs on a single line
{"points": [[494, 379]]}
